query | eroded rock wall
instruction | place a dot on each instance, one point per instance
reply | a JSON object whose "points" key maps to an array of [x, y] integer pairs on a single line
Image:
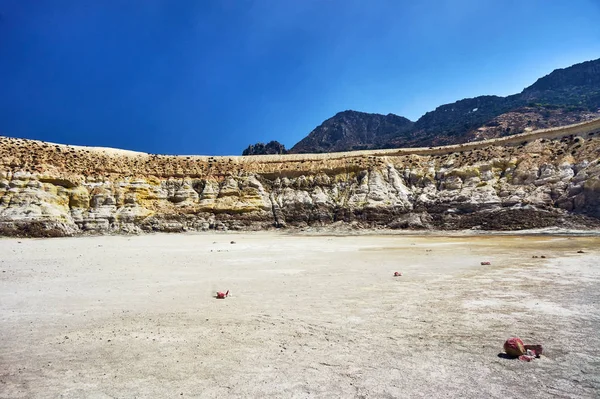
{"points": [[539, 179]]}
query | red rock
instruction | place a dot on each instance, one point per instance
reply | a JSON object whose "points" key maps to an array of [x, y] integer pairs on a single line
{"points": [[537, 350], [514, 347], [222, 295]]}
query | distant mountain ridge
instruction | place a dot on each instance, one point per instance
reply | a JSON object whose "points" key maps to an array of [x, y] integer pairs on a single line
{"points": [[564, 96]]}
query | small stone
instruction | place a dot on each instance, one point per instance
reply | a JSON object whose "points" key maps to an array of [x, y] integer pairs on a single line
{"points": [[514, 347]]}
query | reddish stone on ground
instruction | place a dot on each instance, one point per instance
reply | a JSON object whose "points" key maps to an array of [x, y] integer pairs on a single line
{"points": [[222, 295], [514, 347]]}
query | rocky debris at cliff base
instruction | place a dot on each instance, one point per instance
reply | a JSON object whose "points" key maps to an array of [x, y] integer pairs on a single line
{"points": [[578, 226], [38, 228], [412, 221]]}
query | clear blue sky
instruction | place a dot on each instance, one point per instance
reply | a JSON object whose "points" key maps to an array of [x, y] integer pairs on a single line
{"points": [[211, 77]]}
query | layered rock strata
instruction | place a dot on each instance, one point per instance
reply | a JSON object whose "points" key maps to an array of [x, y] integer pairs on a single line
{"points": [[537, 179]]}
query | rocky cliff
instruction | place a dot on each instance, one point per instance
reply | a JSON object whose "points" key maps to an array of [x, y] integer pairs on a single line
{"points": [[542, 178]]}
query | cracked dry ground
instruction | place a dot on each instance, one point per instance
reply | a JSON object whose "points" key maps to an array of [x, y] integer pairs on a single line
{"points": [[309, 316]]}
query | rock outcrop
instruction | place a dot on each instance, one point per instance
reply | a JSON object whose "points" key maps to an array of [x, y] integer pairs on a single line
{"points": [[538, 179], [272, 147]]}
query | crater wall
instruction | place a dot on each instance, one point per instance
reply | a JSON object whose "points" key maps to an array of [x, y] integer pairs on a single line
{"points": [[538, 179]]}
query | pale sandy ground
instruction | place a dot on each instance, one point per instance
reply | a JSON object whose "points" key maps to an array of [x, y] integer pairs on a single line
{"points": [[310, 316]]}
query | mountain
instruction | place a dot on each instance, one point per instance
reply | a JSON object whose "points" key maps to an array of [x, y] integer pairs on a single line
{"points": [[449, 123], [352, 130], [578, 86], [563, 97]]}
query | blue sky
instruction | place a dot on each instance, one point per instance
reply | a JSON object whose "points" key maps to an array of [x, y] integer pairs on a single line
{"points": [[211, 77]]}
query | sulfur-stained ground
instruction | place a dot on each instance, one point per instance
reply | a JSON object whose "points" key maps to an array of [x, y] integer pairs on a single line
{"points": [[309, 316]]}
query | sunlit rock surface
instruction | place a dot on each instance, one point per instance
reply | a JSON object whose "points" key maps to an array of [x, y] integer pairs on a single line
{"points": [[537, 179]]}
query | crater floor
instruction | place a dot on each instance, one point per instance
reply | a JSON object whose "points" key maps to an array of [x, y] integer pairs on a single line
{"points": [[309, 316]]}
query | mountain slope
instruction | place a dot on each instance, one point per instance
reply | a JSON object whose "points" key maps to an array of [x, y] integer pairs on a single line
{"points": [[576, 86], [352, 130], [565, 96], [570, 91]]}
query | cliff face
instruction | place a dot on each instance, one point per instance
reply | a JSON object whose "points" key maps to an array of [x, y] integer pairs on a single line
{"points": [[538, 179]]}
